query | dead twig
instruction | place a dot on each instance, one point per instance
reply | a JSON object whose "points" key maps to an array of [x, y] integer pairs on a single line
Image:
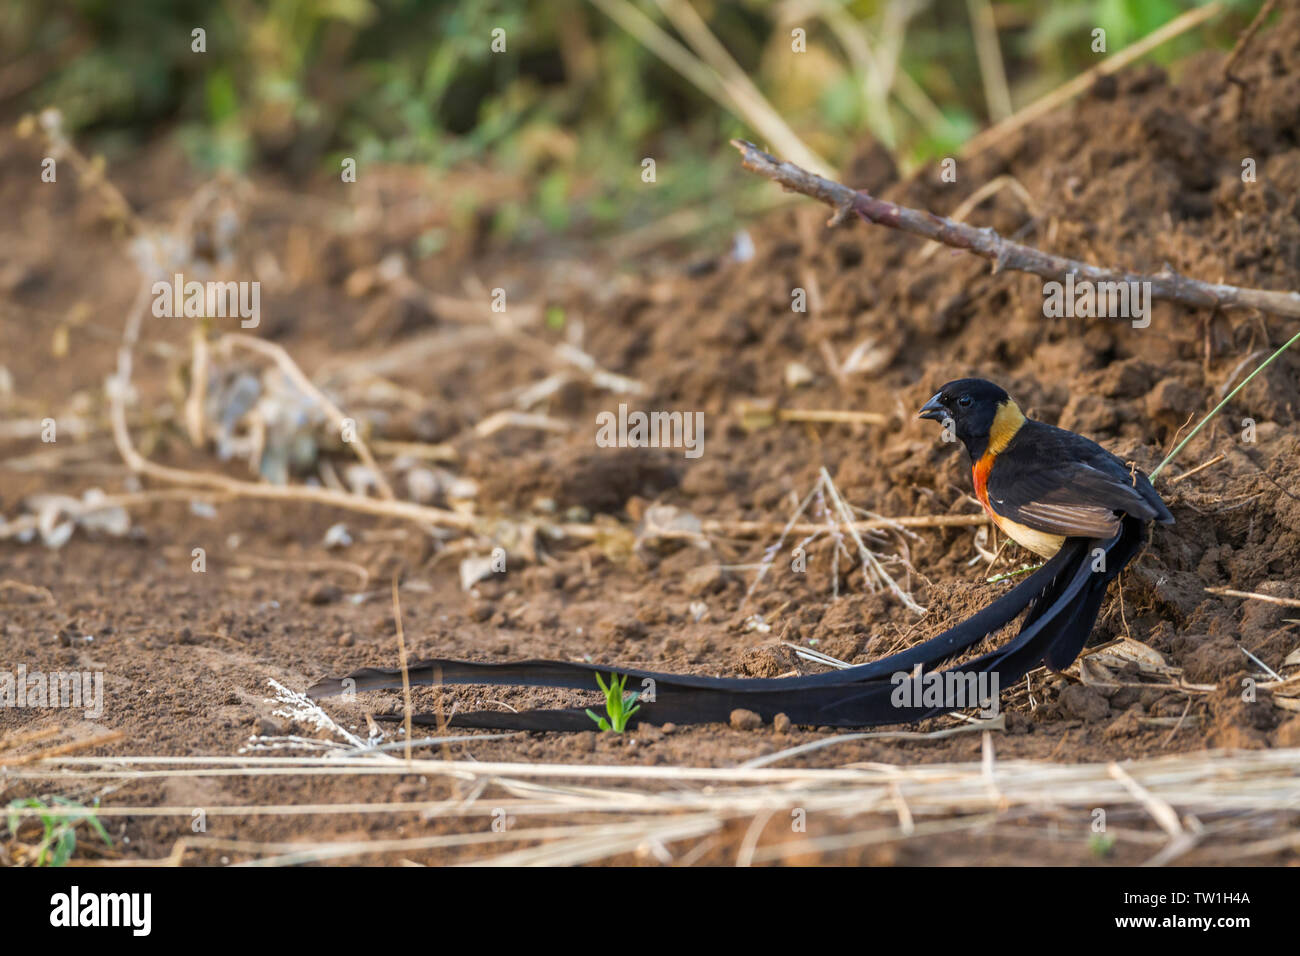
{"points": [[512, 419], [1254, 596], [79, 509], [290, 368], [874, 524], [274, 564], [441, 452], [35, 590], [1244, 40], [721, 527], [720, 78], [1164, 815], [119, 389], [831, 415], [989, 54], [1068, 91], [8, 742], [49, 123], [763, 413], [990, 188], [1166, 285], [406, 676], [209, 481], [62, 750], [1201, 467]]}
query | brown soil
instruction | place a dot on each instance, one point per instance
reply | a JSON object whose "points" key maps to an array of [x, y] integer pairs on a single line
{"points": [[1141, 171]]}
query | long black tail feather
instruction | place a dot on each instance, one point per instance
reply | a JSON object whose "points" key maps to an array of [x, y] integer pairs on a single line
{"points": [[1064, 597], [543, 673], [1073, 628]]}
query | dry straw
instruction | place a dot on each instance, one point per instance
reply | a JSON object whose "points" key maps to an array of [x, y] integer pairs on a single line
{"points": [[1214, 806]]}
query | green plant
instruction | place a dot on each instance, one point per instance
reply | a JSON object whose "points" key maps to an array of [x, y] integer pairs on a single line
{"points": [[1226, 399], [59, 840], [567, 107], [1101, 844], [617, 706]]}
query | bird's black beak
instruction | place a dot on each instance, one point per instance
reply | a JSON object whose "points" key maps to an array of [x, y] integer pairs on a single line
{"points": [[934, 410]]}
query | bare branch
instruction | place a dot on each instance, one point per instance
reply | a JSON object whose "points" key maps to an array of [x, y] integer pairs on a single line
{"points": [[1166, 285], [1243, 41]]}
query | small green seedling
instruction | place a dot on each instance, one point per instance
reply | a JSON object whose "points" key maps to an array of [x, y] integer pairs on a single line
{"points": [[1023, 569], [618, 707], [59, 841], [1101, 844]]}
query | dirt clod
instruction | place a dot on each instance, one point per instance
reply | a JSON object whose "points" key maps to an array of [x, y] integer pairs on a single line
{"points": [[1084, 703]]}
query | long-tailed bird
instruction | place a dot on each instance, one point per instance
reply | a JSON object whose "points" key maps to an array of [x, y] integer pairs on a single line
{"points": [[1055, 492], [1040, 484]]}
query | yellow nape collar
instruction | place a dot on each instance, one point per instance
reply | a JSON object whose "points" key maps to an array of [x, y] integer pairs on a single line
{"points": [[1006, 422]]}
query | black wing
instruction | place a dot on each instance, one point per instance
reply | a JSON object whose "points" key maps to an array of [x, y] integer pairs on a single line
{"points": [[1055, 481]]}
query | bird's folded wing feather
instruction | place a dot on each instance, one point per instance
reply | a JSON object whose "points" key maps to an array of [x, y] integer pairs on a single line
{"points": [[1067, 486]]}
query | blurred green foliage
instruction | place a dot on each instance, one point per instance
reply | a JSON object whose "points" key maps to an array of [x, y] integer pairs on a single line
{"points": [[570, 107]]}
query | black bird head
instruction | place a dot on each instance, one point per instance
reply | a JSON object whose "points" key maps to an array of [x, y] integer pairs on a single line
{"points": [[977, 408]]}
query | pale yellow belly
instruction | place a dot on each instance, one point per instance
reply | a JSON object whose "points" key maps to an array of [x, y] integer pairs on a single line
{"points": [[1038, 542]]}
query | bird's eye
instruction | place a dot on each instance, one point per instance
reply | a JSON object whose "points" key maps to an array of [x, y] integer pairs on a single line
{"points": [[964, 401]]}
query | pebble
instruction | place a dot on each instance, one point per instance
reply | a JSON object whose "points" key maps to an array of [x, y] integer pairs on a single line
{"points": [[1084, 703], [324, 594], [707, 579], [742, 719], [797, 375], [269, 727], [781, 724]]}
